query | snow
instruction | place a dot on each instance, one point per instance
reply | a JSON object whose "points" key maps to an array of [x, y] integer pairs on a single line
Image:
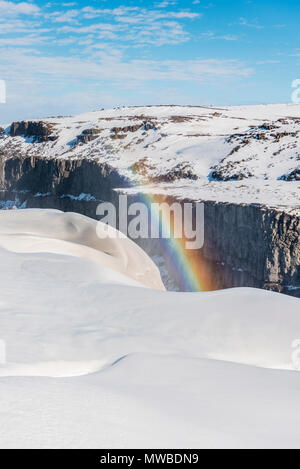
{"points": [[79, 236], [82, 196], [258, 144], [96, 359], [279, 195]]}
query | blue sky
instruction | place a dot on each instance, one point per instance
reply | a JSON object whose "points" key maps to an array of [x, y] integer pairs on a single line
{"points": [[69, 57]]}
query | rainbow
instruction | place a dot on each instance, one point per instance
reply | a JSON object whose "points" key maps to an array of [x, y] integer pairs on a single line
{"points": [[191, 269]]}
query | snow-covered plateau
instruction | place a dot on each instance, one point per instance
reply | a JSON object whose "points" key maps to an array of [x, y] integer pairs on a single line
{"points": [[94, 354], [246, 154]]}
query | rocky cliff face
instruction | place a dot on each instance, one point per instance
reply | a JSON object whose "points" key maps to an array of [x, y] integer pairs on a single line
{"points": [[254, 246], [245, 245], [58, 177]]}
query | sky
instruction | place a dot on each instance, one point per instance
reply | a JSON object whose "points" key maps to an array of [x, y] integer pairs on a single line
{"points": [[65, 58]]}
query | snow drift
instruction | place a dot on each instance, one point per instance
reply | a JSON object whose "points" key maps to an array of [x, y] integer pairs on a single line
{"points": [[76, 235], [96, 359]]}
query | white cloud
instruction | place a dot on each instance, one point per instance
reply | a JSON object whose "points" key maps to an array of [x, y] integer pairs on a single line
{"points": [[267, 62], [181, 14], [136, 31], [15, 26], [125, 14], [66, 17], [14, 9], [165, 4], [17, 65], [212, 36], [139, 26], [30, 40], [245, 22]]}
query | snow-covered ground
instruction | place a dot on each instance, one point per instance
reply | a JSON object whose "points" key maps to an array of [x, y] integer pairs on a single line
{"points": [[247, 154], [97, 359], [280, 195]]}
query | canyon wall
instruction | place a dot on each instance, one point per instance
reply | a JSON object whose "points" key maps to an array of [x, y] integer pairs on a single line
{"points": [[58, 176], [259, 247]]}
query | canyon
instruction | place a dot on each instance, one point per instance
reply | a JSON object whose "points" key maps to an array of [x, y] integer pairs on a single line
{"points": [[252, 222]]}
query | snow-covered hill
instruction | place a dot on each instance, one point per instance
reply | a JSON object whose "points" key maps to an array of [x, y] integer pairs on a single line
{"points": [[96, 360], [245, 154]]}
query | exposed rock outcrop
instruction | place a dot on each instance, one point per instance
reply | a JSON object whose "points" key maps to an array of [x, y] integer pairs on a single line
{"points": [[293, 176], [230, 172], [147, 171], [88, 135], [180, 171], [38, 130]]}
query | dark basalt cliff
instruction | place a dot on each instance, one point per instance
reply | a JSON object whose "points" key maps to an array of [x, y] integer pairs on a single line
{"points": [[255, 246], [59, 176], [245, 245]]}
